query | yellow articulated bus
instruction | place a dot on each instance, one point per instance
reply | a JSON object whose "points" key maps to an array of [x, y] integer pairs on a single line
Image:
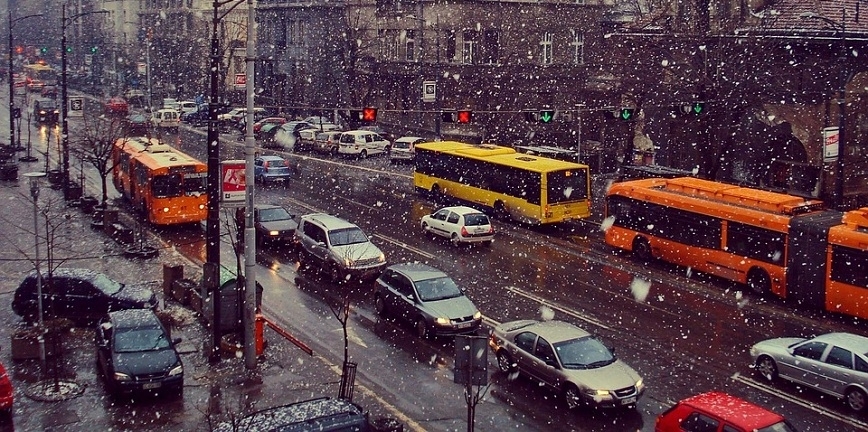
{"points": [[164, 184], [774, 243], [528, 189]]}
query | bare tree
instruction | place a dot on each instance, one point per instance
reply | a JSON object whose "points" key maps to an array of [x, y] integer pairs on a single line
{"points": [[95, 143]]}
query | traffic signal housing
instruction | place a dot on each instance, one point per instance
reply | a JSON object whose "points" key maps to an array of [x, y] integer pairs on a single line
{"points": [[546, 115], [93, 50], [464, 116], [369, 114], [626, 113], [43, 50], [695, 108]]}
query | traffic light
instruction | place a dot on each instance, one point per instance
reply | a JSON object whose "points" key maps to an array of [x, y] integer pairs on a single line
{"points": [[43, 50], [19, 50], [697, 108], [465, 116], [369, 114], [531, 116], [69, 49], [626, 113], [546, 115], [93, 50]]}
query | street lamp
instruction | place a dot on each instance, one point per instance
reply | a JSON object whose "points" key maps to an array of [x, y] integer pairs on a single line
{"points": [[33, 179], [12, 115], [841, 29], [64, 21]]}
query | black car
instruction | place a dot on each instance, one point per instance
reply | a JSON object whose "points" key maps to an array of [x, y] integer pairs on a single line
{"points": [[79, 294], [198, 118], [322, 414], [137, 125], [46, 111], [273, 224], [135, 353]]}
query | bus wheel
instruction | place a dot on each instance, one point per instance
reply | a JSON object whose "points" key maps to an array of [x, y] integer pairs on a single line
{"points": [[642, 249], [437, 194], [758, 281], [500, 211]]}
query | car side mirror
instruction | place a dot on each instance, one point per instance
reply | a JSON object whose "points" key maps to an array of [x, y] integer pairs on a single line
{"points": [[552, 363], [176, 341], [411, 297]]}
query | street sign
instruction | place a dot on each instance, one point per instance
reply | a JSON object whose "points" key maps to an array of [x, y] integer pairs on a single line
{"points": [[234, 183], [429, 91], [831, 138], [76, 107], [240, 81]]}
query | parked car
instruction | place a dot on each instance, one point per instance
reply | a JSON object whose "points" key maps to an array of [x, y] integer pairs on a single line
{"points": [[268, 169], [166, 118], [337, 248], [198, 118], [46, 111], [322, 414], [257, 127], [426, 297], [361, 143], [187, 107], [49, 91], [35, 85], [379, 131], [7, 393], [404, 149], [135, 353], [568, 360], [117, 106], [833, 363], [306, 139], [239, 119], [460, 224], [716, 411], [327, 142], [287, 135], [273, 223], [136, 125], [171, 103], [79, 294], [267, 135]]}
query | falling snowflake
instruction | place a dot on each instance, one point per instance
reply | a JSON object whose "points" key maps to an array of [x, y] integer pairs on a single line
{"points": [[640, 288]]}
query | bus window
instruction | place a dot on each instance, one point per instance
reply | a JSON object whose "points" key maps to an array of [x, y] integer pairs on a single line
{"points": [[565, 186], [194, 184], [166, 186]]}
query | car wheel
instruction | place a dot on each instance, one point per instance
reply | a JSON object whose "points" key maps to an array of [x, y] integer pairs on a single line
{"points": [[380, 305], [856, 399], [572, 396], [500, 211], [642, 249], [487, 243], [421, 328], [333, 151], [505, 362], [766, 367], [437, 194], [335, 274], [363, 155], [758, 281], [456, 241]]}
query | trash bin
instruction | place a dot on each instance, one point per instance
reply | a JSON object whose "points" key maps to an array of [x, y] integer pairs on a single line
{"points": [[74, 191], [88, 204]]}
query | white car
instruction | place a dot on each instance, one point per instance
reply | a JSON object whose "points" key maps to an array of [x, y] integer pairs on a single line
{"points": [[187, 107], [362, 143], [404, 149], [460, 224], [166, 118]]}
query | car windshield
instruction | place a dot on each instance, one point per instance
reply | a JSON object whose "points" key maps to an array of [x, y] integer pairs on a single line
{"points": [[401, 145], [778, 427], [475, 219], [437, 289], [583, 353], [107, 285], [274, 214], [136, 340], [347, 236]]}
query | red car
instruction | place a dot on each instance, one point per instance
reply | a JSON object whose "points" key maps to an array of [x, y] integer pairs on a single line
{"points": [[719, 412], [6, 393], [268, 120], [117, 106]]}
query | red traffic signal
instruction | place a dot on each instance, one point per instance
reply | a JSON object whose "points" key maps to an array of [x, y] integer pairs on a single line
{"points": [[369, 114], [464, 116]]}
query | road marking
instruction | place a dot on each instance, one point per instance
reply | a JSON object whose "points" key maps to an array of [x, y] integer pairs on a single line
{"points": [[569, 312], [405, 246], [819, 410]]}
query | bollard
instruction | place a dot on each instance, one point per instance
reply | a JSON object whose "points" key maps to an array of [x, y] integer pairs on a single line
{"points": [[259, 335], [171, 273]]}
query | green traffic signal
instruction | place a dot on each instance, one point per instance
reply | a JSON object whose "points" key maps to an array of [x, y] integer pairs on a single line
{"points": [[697, 108], [93, 50], [43, 50], [546, 116], [626, 113]]}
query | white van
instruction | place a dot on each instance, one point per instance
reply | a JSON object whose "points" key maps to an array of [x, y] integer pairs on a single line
{"points": [[186, 107], [362, 143], [166, 118]]}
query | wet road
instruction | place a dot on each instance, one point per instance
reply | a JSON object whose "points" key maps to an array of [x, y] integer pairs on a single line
{"points": [[684, 333]]}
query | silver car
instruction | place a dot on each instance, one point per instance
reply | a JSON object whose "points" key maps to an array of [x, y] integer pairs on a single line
{"points": [[833, 363], [567, 359]]}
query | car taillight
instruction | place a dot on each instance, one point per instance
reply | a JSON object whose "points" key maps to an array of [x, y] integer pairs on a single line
{"points": [[491, 229], [286, 163], [464, 231]]}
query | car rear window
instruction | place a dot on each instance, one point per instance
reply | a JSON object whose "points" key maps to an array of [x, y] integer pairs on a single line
{"points": [[778, 427], [475, 219]]}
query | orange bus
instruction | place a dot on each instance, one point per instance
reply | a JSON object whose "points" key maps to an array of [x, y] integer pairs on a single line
{"points": [[775, 243], [167, 186]]}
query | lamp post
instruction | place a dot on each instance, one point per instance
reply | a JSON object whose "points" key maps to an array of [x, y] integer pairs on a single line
{"points": [[33, 179], [12, 115], [841, 29], [64, 21], [211, 269]]}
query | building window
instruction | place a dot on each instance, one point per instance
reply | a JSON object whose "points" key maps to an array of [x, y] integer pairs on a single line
{"points": [[471, 45], [280, 33], [578, 44], [389, 43], [410, 45], [490, 46], [451, 47], [546, 49]]}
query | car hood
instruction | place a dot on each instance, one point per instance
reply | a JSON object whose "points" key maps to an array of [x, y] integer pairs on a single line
{"points": [[279, 225], [146, 362], [456, 307], [357, 252], [138, 294], [611, 377], [777, 345]]}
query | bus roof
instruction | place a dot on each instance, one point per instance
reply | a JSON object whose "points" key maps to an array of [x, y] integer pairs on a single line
{"points": [[856, 219], [756, 199], [154, 154], [499, 155]]}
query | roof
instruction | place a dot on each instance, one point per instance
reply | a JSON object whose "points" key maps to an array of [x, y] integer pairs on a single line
{"points": [[463, 210], [555, 331], [270, 158], [81, 273], [131, 318], [786, 16], [302, 415], [733, 409], [329, 221], [417, 271], [849, 341]]}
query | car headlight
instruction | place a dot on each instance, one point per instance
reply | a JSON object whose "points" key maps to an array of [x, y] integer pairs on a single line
{"points": [[274, 233], [165, 209], [477, 315], [442, 321], [121, 377], [598, 393], [640, 385], [381, 258], [177, 370]]}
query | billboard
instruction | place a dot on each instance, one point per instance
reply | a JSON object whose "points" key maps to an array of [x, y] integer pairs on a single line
{"points": [[232, 181]]}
